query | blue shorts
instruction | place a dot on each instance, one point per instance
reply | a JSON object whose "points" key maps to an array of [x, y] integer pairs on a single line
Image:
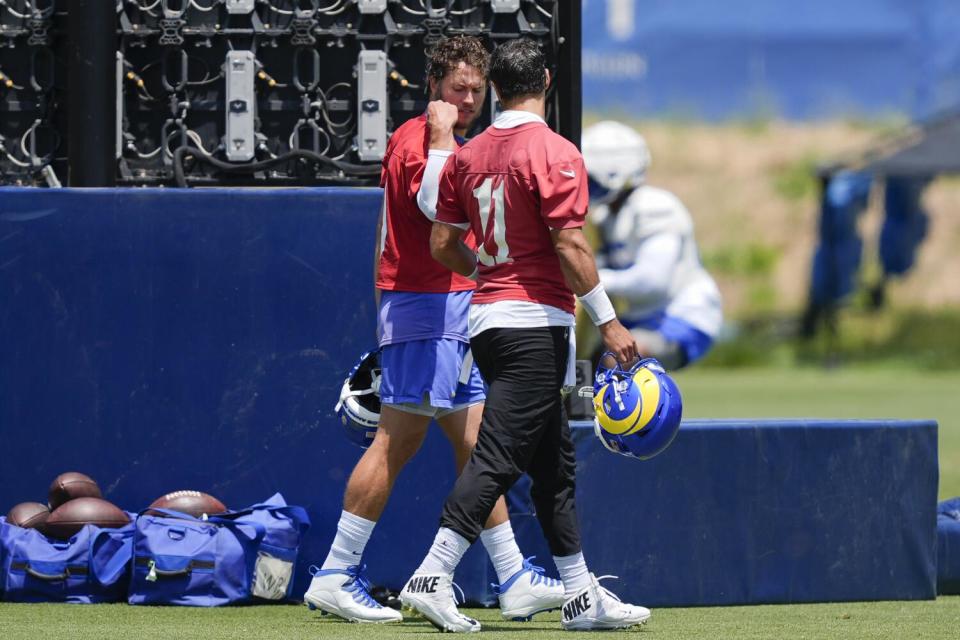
{"points": [[423, 377]]}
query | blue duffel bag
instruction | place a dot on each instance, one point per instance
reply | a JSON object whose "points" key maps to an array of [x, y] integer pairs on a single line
{"points": [[275, 564], [230, 558], [948, 547], [90, 567], [6, 533]]}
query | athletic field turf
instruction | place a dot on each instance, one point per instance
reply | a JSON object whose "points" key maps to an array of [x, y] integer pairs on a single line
{"points": [[930, 620], [845, 393]]}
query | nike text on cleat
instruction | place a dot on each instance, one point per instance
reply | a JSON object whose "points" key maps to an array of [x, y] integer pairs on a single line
{"points": [[431, 596], [529, 592], [346, 593], [593, 607], [423, 584]]}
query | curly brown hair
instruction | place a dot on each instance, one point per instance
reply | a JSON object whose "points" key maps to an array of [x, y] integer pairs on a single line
{"points": [[447, 54]]}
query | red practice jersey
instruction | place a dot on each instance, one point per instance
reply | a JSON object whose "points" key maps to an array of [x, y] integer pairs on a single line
{"points": [[405, 262], [512, 186]]}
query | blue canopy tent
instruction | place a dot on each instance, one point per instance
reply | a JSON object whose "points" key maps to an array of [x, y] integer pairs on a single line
{"points": [[903, 168]]}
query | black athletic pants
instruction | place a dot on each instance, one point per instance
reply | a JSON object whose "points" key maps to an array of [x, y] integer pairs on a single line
{"points": [[524, 429]]}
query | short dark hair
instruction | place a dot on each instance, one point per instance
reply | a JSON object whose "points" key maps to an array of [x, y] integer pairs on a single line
{"points": [[516, 69], [447, 54]]}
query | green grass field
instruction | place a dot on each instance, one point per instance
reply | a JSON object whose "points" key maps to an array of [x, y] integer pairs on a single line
{"points": [[842, 393], [929, 620]]}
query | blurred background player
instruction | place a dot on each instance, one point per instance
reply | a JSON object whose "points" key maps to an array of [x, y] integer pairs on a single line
{"points": [[649, 251], [427, 371], [522, 190]]}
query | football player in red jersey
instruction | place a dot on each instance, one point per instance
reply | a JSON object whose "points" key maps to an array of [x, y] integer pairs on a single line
{"points": [[427, 371], [521, 190]]}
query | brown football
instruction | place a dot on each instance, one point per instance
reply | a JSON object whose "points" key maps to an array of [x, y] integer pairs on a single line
{"points": [[70, 485], [195, 503], [69, 518], [29, 515]]}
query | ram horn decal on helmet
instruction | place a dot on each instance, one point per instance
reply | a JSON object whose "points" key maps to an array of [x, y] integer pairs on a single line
{"points": [[638, 410]]}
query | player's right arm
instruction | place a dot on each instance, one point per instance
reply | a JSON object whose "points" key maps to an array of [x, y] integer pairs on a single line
{"points": [[446, 236], [580, 272], [562, 186], [441, 119], [447, 248]]}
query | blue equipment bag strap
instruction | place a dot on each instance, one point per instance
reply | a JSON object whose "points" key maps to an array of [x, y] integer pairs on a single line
{"points": [[259, 530], [225, 521], [115, 567], [45, 575], [296, 514], [171, 513], [39, 575]]}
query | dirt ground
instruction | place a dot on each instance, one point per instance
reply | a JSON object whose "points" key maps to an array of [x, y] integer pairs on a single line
{"points": [[750, 185]]}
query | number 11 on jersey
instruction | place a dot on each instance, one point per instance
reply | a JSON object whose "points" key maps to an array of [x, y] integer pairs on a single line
{"points": [[494, 226]]}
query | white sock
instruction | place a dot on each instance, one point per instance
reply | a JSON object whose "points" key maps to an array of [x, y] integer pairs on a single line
{"points": [[573, 572], [353, 532], [503, 550], [445, 554]]}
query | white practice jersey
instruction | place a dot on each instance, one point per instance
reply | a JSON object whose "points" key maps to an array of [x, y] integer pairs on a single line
{"points": [[651, 260]]}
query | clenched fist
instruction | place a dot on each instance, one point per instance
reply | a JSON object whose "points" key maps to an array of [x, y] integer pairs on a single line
{"points": [[441, 119]]}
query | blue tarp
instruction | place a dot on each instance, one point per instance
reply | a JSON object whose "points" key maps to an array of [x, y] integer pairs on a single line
{"points": [[905, 223], [836, 259], [743, 58], [837, 256]]}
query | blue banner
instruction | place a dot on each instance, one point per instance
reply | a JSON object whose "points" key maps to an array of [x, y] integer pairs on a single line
{"points": [[744, 58]]}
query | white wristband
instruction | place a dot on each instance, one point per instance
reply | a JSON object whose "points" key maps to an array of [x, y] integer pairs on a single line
{"points": [[598, 305]]}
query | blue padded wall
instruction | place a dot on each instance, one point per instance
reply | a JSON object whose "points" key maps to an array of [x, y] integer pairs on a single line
{"points": [[767, 511], [734, 512], [167, 339]]}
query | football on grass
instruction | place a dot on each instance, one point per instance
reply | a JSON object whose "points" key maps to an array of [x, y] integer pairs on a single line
{"points": [[69, 518], [194, 503], [70, 485], [29, 515]]}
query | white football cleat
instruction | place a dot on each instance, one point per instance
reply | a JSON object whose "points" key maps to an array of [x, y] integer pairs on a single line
{"points": [[431, 596], [593, 607], [346, 593], [529, 592]]}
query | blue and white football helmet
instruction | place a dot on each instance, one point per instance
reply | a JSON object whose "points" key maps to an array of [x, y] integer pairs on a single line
{"points": [[616, 158], [638, 410], [359, 404]]}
